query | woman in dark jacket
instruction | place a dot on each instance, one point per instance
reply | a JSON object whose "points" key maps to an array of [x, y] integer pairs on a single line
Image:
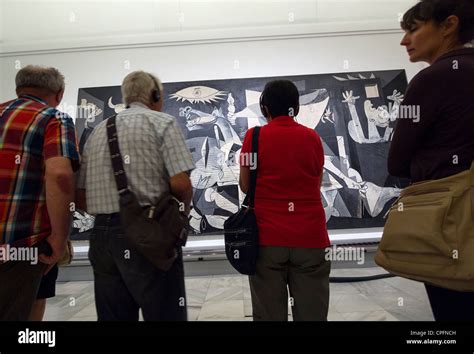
{"points": [[434, 137]]}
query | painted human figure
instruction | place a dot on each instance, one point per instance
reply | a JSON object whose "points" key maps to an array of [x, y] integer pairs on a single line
{"points": [[376, 117]]}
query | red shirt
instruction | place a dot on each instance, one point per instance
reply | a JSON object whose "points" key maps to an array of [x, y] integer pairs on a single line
{"points": [[288, 203]]}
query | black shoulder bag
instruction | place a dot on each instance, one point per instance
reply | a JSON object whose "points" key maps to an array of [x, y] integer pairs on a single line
{"points": [[155, 231], [240, 229]]}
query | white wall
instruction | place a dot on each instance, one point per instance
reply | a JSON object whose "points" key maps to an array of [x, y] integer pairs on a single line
{"points": [[60, 24], [218, 61], [2, 23], [213, 53]]}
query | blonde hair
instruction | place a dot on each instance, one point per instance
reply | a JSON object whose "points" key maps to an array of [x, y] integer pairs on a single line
{"points": [[138, 86]]}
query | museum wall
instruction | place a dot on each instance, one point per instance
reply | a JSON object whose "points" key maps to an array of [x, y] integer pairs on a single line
{"points": [[98, 43], [220, 61], [75, 24]]}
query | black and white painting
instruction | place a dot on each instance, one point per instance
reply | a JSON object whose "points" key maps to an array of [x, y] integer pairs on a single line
{"points": [[354, 114]]}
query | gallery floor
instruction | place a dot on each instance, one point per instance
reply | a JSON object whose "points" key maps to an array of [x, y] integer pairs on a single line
{"points": [[226, 297]]}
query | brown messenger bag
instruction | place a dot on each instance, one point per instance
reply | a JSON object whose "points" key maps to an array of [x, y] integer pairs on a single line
{"points": [[429, 234]]}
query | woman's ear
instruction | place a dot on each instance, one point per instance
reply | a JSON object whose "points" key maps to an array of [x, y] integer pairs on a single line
{"points": [[268, 116], [451, 26]]}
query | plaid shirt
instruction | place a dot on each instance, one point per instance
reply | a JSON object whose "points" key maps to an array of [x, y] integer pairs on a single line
{"points": [[153, 150], [30, 133]]}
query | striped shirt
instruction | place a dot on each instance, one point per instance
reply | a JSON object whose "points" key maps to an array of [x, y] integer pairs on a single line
{"points": [[30, 133], [153, 150]]}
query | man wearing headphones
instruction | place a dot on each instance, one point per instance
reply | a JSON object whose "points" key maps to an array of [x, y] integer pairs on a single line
{"points": [[156, 159], [289, 211]]}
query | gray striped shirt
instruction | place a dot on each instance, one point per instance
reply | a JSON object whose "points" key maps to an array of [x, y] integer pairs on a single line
{"points": [[153, 150]]}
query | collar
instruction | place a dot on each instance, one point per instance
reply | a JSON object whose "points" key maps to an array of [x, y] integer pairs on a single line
{"points": [[283, 120], [138, 104], [456, 53], [34, 98]]}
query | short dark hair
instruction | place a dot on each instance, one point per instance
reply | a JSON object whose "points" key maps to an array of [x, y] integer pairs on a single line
{"points": [[279, 96], [440, 10]]}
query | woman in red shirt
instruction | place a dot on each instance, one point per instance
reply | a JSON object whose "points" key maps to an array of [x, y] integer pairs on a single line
{"points": [[289, 211]]}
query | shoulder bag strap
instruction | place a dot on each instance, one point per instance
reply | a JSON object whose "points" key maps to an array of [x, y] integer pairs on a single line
{"points": [[472, 175], [116, 156], [253, 171]]}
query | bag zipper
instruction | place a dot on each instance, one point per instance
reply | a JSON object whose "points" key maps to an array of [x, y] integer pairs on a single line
{"points": [[408, 205], [425, 192], [238, 231], [413, 194], [242, 243]]}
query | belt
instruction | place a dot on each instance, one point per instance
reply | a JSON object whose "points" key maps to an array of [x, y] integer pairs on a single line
{"points": [[107, 217], [112, 216]]}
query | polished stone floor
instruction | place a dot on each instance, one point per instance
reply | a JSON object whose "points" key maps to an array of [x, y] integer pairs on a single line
{"points": [[227, 298]]}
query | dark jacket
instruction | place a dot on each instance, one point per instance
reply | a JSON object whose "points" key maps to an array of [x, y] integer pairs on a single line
{"points": [[441, 143]]}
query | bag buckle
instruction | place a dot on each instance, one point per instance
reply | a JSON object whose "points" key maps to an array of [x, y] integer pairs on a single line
{"points": [[391, 206], [123, 191], [183, 237], [151, 212]]}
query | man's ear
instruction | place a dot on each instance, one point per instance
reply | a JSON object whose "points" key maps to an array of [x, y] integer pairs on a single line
{"points": [[59, 96]]}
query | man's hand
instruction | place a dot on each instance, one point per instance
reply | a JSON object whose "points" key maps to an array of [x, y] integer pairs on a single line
{"points": [[58, 247], [182, 189]]}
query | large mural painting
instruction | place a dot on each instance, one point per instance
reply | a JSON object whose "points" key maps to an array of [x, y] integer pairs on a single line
{"points": [[354, 114]]}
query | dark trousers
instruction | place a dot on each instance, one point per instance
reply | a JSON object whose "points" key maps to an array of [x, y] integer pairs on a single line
{"points": [[303, 272], [19, 283], [126, 282], [450, 305]]}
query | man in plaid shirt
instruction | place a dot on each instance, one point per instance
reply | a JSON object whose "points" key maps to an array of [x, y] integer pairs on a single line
{"points": [[38, 157], [156, 160]]}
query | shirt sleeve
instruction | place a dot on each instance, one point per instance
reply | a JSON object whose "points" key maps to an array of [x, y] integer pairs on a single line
{"points": [[246, 149], [60, 140], [417, 113], [176, 155]]}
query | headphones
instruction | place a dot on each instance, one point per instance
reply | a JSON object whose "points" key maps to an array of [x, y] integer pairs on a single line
{"points": [[265, 111], [155, 94], [262, 107], [297, 110]]}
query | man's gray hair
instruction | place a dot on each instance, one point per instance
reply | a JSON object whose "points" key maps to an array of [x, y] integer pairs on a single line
{"points": [[43, 78], [138, 86]]}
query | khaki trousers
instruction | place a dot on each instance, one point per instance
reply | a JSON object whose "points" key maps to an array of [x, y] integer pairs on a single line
{"points": [[306, 274]]}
